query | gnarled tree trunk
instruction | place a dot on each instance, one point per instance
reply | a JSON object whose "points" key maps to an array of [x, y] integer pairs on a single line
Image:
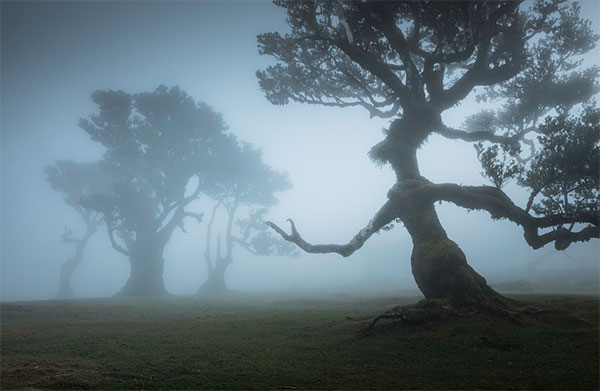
{"points": [[438, 264], [147, 265], [440, 267], [65, 291]]}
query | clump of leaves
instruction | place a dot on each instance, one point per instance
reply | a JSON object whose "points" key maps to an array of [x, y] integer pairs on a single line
{"points": [[564, 175], [499, 162]]}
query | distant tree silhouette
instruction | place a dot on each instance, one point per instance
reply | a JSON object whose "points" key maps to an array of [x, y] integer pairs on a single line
{"points": [[158, 146], [412, 61], [243, 181], [76, 181]]}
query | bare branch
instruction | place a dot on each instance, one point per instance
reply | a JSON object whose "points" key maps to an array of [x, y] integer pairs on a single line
{"points": [[383, 217], [179, 215]]}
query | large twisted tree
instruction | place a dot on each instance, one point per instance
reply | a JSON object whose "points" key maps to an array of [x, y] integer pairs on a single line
{"points": [[158, 146], [413, 60]]}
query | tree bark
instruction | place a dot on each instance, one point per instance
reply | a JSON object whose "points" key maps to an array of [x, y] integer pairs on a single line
{"points": [[147, 265], [440, 267]]}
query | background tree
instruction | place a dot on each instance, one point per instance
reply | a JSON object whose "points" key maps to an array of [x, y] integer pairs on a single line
{"points": [[413, 60], [76, 181], [158, 145], [243, 181]]}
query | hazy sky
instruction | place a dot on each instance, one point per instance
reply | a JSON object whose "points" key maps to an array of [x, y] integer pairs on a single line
{"points": [[55, 54]]}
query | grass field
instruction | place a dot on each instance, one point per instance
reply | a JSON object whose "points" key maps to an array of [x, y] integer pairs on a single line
{"points": [[260, 342]]}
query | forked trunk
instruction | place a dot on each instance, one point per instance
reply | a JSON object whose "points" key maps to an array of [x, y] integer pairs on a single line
{"points": [[215, 283]]}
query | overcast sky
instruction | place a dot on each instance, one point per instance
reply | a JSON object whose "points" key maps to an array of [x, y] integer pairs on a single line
{"points": [[55, 54]]}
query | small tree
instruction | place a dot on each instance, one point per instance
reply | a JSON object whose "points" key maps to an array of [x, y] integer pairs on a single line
{"points": [[413, 60], [76, 181], [158, 145], [244, 181]]}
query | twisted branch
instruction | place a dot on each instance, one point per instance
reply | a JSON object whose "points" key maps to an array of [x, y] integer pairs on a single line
{"points": [[499, 205], [384, 216]]}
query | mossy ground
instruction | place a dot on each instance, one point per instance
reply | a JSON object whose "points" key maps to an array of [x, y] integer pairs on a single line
{"points": [[258, 342]]}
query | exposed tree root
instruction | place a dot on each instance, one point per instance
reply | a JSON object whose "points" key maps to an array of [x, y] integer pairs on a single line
{"points": [[413, 314], [440, 310]]}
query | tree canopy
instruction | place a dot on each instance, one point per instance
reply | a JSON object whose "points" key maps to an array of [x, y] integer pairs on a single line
{"points": [[77, 181], [156, 144], [160, 148]]}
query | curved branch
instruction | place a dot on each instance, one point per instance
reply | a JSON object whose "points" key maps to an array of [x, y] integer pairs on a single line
{"points": [[110, 230], [376, 68], [398, 42], [197, 216], [384, 216], [167, 229], [483, 135], [192, 196], [499, 205], [167, 209], [176, 220], [480, 73]]}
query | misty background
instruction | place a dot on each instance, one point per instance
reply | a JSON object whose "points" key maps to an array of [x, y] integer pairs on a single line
{"points": [[55, 54]]}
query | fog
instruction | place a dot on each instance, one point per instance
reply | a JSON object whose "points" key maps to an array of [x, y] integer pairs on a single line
{"points": [[55, 54]]}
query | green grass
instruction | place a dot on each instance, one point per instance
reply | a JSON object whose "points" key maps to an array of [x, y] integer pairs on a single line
{"points": [[258, 342]]}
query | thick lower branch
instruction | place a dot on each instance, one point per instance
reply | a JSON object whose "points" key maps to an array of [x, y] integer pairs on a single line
{"points": [[483, 135], [384, 216], [499, 205]]}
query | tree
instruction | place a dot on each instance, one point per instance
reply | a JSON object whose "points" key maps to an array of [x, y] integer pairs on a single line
{"points": [[413, 60], [244, 180], [159, 145], [76, 181]]}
